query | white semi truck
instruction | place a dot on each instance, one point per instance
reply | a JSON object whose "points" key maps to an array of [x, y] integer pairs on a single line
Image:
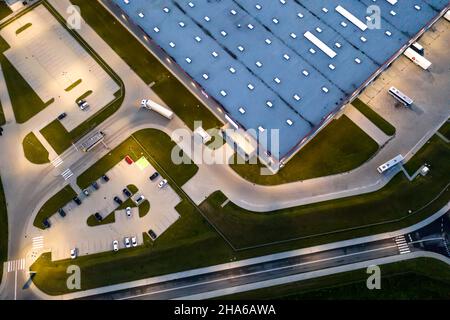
{"points": [[151, 105], [415, 57]]}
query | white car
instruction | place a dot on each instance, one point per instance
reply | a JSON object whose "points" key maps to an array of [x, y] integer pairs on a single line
{"points": [[128, 211], [82, 104], [134, 241], [126, 242], [139, 200], [115, 245], [162, 183], [73, 253]]}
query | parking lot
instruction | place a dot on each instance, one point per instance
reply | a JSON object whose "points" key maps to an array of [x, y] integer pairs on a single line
{"points": [[428, 89], [72, 231], [57, 67]]}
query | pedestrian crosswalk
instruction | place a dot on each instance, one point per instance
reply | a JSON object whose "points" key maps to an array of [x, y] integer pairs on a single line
{"points": [[15, 265], [67, 174], [402, 245], [38, 243], [57, 162]]}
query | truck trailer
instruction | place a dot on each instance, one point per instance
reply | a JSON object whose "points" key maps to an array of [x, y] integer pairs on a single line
{"points": [[151, 105]]}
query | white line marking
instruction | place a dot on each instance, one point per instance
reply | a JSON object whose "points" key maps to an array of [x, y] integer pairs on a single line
{"points": [[257, 272]]}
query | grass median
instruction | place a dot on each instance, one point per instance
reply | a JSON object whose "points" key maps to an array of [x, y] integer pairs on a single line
{"points": [[341, 146], [34, 151], [50, 208], [146, 66], [4, 10], [374, 117]]}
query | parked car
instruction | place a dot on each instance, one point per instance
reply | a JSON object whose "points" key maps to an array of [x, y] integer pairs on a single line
{"points": [[115, 244], [129, 160], [82, 104], [46, 223], [86, 192], [152, 234], [77, 200], [126, 192], [95, 185], [162, 183], [61, 212], [105, 178], [98, 216], [73, 253], [134, 241], [62, 116], [154, 176], [139, 200], [117, 200], [126, 242], [128, 211]]}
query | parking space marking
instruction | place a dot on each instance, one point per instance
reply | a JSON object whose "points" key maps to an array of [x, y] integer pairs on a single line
{"points": [[38, 242]]}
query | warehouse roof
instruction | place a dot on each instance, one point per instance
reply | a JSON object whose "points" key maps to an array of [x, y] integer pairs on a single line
{"points": [[280, 64]]}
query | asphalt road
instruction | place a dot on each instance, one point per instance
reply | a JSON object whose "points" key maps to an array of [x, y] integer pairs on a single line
{"points": [[257, 272]]}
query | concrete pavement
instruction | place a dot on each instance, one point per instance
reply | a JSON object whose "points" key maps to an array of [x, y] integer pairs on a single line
{"points": [[365, 124]]}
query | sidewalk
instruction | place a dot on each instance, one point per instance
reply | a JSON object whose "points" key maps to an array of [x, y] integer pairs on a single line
{"points": [[366, 125]]}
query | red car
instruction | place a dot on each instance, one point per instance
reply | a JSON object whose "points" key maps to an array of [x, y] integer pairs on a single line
{"points": [[128, 160]]}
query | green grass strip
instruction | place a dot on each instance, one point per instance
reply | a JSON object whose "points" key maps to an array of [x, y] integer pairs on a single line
{"points": [[374, 117]]}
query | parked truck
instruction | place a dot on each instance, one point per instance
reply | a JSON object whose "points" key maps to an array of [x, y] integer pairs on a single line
{"points": [[151, 105]]}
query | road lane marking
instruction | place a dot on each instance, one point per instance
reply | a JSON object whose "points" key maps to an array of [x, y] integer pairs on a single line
{"points": [[254, 273]]}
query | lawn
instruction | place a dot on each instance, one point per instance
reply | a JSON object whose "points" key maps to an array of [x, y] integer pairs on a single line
{"points": [[339, 147], [202, 246], [146, 66], [3, 230], [445, 130], [245, 228], [374, 117], [144, 208], [417, 279], [59, 200], [25, 102], [149, 142], [57, 136], [4, 10], [34, 151]]}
